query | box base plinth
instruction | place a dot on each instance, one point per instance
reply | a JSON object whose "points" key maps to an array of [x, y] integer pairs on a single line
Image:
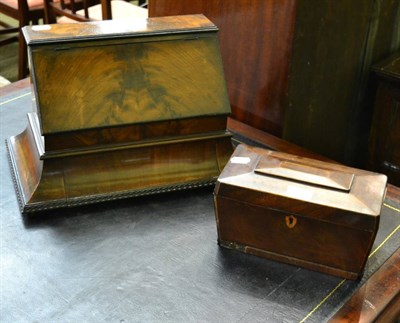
{"points": [[96, 174], [291, 260]]}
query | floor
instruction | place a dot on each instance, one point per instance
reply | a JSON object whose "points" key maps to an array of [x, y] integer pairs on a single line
{"points": [[9, 55]]}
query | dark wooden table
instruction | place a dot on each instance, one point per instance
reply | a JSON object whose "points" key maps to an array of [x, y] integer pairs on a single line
{"points": [[156, 258]]}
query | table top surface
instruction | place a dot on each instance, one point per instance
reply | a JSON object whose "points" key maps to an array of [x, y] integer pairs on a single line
{"points": [[154, 258]]}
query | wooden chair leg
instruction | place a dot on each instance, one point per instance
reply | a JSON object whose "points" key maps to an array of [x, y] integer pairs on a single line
{"points": [[49, 15], [22, 58]]}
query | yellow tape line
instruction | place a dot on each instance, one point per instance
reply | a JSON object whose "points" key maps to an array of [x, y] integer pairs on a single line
{"points": [[391, 207], [342, 282], [16, 98], [384, 241], [323, 301]]}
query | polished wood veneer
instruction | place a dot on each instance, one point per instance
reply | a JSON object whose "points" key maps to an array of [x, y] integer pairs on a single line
{"points": [[88, 176], [124, 135], [129, 75], [256, 45], [292, 65], [317, 215], [121, 110], [378, 299]]}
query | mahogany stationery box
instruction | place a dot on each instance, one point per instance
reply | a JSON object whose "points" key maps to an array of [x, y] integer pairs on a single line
{"points": [[317, 215], [121, 109]]}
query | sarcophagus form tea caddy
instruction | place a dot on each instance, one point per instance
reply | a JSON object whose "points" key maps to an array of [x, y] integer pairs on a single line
{"points": [[121, 110], [309, 213]]}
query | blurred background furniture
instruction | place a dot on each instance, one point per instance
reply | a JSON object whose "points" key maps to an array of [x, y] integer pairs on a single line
{"points": [[25, 12], [256, 45], [92, 10], [301, 70], [384, 142], [13, 59]]}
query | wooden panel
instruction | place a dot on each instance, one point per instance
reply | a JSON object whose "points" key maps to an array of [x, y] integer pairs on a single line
{"points": [[384, 143], [57, 33], [298, 223], [129, 83], [121, 113], [378, 300], [329, 109], [365, 196], [90, 176], [310, 243], [135, 133], [264, 139], [256, 38]]}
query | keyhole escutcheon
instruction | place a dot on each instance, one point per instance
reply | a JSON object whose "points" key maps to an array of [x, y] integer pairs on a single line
{"points": [[290, 221]]}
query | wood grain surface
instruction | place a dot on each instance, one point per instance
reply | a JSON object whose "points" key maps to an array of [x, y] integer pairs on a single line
{"points": [[380, 292], [110, 84], [384, 140], [83, 176], [256, 43], [107, 28], [333, 230], [330, 91], [123, 113]]}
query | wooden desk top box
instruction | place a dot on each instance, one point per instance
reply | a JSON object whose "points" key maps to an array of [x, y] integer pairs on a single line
{"points": [[309, 213], [122, 109], [105, 74]]}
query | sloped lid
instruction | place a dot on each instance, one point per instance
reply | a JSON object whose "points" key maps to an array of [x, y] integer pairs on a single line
{"points": [[297, 171], [82, 31], [304, 180], [113, 73]]}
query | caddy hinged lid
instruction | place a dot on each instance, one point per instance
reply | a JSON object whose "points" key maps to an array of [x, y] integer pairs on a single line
{"points": [[296, 184], [110, 73]]}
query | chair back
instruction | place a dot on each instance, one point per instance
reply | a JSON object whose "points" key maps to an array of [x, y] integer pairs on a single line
{"points": [[76, 10], [25, 13], [92, 10]]}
